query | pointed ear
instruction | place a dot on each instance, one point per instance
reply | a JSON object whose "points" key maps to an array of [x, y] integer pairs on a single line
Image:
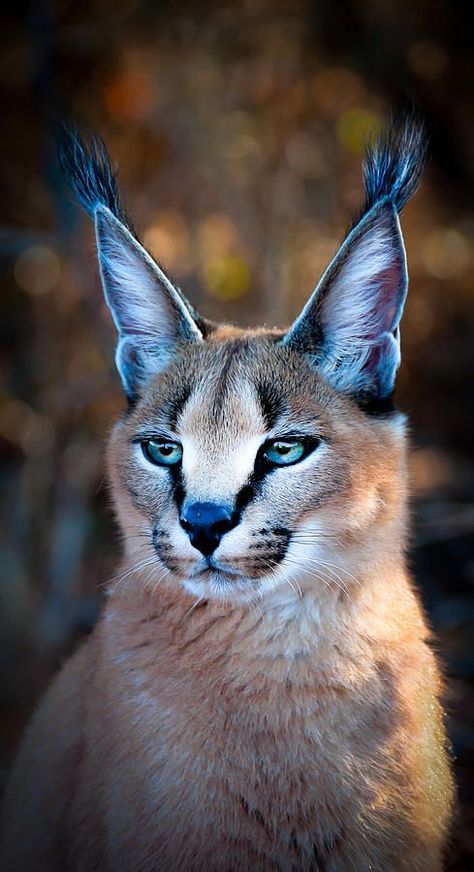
{"points": [[350, 325], [151, 316]]}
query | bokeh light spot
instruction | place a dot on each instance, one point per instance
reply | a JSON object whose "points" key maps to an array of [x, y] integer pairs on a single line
{"points": [[227, 277], [37, 270], [446, 253], [130, 94], [217, 234], [356, 127], [168, 240], [427, 60], [21, 425], [336, 89]]}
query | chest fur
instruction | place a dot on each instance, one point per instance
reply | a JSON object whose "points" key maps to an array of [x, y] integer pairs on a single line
{"points": [[265, 758]]}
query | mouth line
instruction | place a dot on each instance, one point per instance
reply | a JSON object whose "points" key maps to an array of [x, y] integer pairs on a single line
{"points": [[208, 568], [209, 565]]}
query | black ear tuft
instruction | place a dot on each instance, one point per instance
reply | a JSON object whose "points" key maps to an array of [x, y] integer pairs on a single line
{"points": [[394, 163], [88, 172], [152, 316]]}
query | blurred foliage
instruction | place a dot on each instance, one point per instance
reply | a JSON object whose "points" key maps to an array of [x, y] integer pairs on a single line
{"points": [[238, 129]]}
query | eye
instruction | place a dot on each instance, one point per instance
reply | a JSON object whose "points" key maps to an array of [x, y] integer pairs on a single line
{"points": [[162, 452], [284, 452]]}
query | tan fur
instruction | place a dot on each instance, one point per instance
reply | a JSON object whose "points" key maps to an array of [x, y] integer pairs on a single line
{"points": [[300, 730]]}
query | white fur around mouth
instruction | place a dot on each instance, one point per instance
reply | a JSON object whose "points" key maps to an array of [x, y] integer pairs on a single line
{"points": [[210, 566]]}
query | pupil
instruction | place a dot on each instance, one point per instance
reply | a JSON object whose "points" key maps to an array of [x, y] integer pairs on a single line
{"points": [[166, 450], [283, 449]]}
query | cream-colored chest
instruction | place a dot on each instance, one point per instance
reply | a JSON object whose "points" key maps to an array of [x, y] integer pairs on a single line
{"points": [[210, 761]]}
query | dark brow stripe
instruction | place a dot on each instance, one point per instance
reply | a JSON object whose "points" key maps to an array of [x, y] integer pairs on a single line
{"points": [[374, 407], [175, 405], [271, 403], [229, 352]]}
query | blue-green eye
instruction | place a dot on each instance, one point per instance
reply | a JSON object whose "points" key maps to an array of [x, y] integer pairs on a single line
{"points": [[283, 452], [162, 451]]}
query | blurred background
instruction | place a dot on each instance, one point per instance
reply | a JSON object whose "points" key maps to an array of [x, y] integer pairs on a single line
{"points": [[238, 130]]}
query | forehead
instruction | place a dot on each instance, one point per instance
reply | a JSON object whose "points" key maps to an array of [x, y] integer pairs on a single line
{"points": [[243, 386]]}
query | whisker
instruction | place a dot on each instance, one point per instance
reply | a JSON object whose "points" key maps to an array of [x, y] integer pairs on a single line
{"points": [[326, 563], [328, 567], [345, 571], [318, 576], [120, 578], [140, 535], [297, 592], [199, 600], [134, 527], [309, 536], [149, 577], [164, 572], [305, 569]]}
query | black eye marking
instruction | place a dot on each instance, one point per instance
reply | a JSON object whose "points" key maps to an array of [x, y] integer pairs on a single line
{"points": [[262, 468], [247, 494], [177, 484]]}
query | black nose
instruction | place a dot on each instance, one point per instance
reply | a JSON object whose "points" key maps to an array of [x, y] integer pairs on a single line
{"points": [[205, 524]]}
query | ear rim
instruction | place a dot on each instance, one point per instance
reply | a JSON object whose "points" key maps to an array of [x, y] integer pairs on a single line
{"points": [[109, 227], [156, 273], [306, 334]]}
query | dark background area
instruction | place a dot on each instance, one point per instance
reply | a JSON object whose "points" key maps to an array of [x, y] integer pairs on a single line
{"points": [[238, 130]]}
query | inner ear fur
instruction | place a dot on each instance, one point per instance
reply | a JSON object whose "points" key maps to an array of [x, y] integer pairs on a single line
{"points": [[151, 315], [349, 328]]}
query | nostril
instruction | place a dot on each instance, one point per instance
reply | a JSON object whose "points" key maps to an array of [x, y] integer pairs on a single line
{"points": [[222, 526], [186, 525]]}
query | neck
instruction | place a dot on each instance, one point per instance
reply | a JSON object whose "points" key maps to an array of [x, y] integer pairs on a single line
{"points": [[308, 620]]}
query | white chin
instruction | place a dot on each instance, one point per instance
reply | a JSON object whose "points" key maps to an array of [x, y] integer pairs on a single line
{"points": [[216, 586]]}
